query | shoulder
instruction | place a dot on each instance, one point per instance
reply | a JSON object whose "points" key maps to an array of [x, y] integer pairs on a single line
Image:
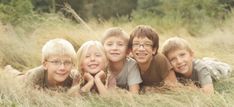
{"points": [[199, 65], [35, 71], [160, 57], [130, 62], [35, 74], [161, 61]]}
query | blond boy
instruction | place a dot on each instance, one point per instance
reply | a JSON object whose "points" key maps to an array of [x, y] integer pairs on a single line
{"points": [[123, 70], [181, 57], [58, 57]]}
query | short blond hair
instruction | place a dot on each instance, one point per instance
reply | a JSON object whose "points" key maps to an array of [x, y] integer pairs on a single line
{"points": [[174, 43], [83, 50], [115, 32], [58, 46]]}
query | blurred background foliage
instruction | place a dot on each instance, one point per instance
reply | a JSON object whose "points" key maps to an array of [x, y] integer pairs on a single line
{"points": [[29, 20], [107, 9], [168, 14]]}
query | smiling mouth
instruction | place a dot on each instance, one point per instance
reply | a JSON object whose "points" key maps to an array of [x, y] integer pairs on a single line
{"points": [[182, 67], [141, 54], [93, 66], [61, 73], [114, 54]]}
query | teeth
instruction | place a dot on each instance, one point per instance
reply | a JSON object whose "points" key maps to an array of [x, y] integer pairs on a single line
{"points": [[93, 66], [181, 67], [141, 54], [114, 54], [61, 73]]}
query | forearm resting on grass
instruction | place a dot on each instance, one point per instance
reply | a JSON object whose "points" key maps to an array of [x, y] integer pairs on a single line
{"points": [[171, 80], [99, 83], [134, 88], [208, 88]]}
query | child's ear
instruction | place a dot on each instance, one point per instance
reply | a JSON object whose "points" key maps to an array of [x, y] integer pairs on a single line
{"points": [[192, 54], [44, 64], [128, 51], [155, 51]]}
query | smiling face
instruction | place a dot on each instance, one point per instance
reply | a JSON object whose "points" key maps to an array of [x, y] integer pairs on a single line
{"points": [[142, 50], [58, 68], [115, 48], [94, 60], [181, 60]]}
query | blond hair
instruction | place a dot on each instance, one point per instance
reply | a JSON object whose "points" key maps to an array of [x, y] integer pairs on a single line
{"points": [[83, 50], [115, 32], [174, 43], [58, 46]]}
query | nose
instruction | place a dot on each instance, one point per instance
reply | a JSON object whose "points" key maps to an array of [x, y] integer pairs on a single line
{"points": [[179, 60], [141, 47], [62, 66], [115, 46], [92, 58]]}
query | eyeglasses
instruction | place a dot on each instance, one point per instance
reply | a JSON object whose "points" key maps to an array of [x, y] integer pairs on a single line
{"points": [[144, 45], [58, 63]]}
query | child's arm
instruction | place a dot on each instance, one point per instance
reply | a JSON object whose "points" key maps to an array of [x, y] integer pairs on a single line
{"points": [[205, 80], [90, 82], [111, 81], [208, 88], [134, 88], [170, 79], [98, 81]]}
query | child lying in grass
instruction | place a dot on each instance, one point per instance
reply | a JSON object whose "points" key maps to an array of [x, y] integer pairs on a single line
{"points": [[200, 71], [58, 57], [92, 63]]}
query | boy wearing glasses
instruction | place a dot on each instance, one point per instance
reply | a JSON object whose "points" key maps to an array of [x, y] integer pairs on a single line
{"points": [[58, 57], [155, 69], [123, 70]]}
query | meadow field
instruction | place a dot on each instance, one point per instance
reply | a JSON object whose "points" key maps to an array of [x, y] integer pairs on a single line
{"points": [[20, 46]]}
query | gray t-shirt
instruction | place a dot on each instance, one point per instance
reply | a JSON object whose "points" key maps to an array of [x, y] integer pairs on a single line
{"points": [[201, 74], [129, 75]]}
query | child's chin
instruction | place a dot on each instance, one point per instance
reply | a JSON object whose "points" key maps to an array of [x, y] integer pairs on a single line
{"points": [[182, 72], [94, 72]]}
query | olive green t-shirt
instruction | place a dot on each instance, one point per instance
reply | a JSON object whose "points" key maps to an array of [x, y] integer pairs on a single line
{"points": [[157, 71], [37, 77]]}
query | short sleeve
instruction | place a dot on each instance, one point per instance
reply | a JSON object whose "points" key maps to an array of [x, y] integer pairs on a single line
{"points": [[34, 76], [165, 66], [204, 76], [134, 75]]}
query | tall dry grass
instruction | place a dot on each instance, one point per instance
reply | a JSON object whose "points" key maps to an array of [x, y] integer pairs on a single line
{"points": [[21, 48]]}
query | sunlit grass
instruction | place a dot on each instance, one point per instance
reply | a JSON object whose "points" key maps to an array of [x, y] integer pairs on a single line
{"points": [[21, 48]]}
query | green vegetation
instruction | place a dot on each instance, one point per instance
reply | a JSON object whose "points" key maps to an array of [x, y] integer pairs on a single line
{"points": [[25, 26]]}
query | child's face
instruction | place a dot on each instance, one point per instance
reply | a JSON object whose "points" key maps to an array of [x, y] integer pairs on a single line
{"points": [[94, 61], [116, 49], [142, 50], [181, 60], [58, 68]]}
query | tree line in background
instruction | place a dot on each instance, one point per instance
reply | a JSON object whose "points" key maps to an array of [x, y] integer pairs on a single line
{"points": [[165, 12]]}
